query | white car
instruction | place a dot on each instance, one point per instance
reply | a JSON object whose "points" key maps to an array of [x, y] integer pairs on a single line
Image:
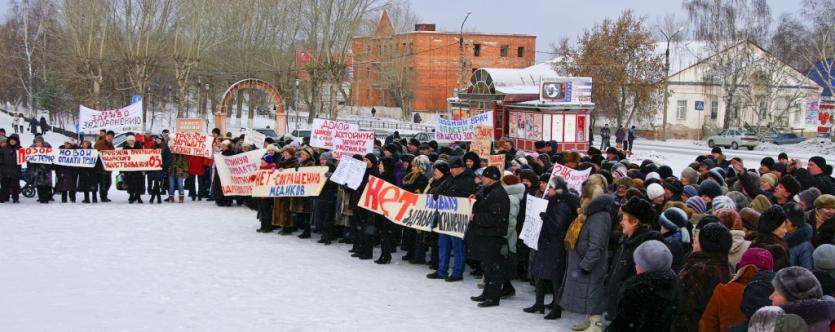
{"points": [[734, 138]]}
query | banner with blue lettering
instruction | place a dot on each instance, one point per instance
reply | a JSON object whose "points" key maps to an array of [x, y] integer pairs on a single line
{"points": [[461, 130], [76, 157], [298, 182]]}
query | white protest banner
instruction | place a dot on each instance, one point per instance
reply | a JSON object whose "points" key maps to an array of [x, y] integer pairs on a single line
{"points": [[461, 130], [573, 178], [190, 125], [127, 117], [386, 199], [300, 182], [235, 171], [35, 156], [131, 160], [322, 132], [533, 223], [195, 144], [482, 140], [254, 137], [76, 157], [349, 172], [349, 143], [453, 214]]}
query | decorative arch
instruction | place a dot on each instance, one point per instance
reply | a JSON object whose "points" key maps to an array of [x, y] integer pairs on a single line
{"points": [[253, 83]]}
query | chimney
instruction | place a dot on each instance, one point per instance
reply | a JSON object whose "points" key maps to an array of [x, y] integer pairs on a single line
{"points": [[425, 27]]}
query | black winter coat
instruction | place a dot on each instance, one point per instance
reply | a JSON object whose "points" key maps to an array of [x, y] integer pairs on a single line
{"points": [[550, 260], [778, 247], [823, 234], [8, 162], [462, 185], [490, 212], [623, 265], [699, 276], [647, 302]]}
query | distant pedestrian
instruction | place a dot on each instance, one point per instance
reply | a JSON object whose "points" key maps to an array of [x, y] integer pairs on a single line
{"points": [[44, 125], [620, 134], [605, 134]]}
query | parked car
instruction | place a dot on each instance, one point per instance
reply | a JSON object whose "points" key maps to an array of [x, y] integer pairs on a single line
{"points": [[425, 136], [734, 138], [788, 138]]}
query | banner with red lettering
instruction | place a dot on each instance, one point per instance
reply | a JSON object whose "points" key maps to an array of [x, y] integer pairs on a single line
{"points": [[496, 160], [235, 172], [195, 144], [190, 125], [35, 156], [482, 140], [126, 118], [131, 160], [322, 132], [574, 178], [349, 143], [299, 182], [444, 215]]}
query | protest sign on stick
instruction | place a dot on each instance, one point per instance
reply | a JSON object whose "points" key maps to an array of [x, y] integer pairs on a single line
{"points": [[194, 144], [482, 140], [533, 223], [349, 172], [254, 137], [131, 160], [235, 172], [298, 182], [573, 178]]}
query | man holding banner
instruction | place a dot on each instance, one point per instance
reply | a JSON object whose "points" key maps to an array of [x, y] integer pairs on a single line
{"points": [[488, 231], [460, 184]]}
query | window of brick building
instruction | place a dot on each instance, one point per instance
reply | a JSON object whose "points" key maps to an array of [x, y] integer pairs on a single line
{"points": [[520, 52], [477, 50], [504, 51]]}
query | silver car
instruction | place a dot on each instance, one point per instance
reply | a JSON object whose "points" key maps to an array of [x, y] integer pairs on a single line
{"points": [[734, 138]]}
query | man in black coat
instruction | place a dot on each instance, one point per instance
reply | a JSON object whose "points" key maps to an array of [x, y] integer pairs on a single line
{"points": [[10, 171], [488, 230], [460, 184]]}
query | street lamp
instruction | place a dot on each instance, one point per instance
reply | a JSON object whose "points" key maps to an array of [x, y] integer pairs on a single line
{"points": [[666, 78], [461, 51]]}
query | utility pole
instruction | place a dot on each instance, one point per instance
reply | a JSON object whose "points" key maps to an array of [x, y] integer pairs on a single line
{"points": [[666, 79], [461, 61]]}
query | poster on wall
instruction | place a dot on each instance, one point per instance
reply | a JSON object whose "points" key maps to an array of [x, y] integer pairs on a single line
{"points": [[573, 90], [533, 126]]}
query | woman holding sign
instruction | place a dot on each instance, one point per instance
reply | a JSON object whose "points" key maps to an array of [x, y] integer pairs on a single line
{"points": [[67, 176], [135, 180], [40, 175], [87, 180], [415, 182]]}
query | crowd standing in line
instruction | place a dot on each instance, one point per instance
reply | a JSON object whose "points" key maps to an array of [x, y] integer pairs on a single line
{"points": [[722, 246]]}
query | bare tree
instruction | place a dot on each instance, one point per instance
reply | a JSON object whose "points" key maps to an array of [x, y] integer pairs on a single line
{"points": [[87, 26]]}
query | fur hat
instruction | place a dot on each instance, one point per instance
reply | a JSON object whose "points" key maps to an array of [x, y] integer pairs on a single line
{"points": [[675, 219], [654, 191], [759, 257], [441, 166], [690, 174], [740, 200], [825, 202], [760, 203], [750, 218], [796, 283], [791, 184], [795, 214], [289, 149], [571, 156], [808, 197], [723, 202], [558, 183], [715, 238], [456, 162], [697, 204], [771, 219], [640, 209], [652, 256], [710, 189], [770, 178], [824, 258], [493, 173]]}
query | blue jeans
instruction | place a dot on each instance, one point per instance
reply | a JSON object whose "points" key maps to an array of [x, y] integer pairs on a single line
{"points": [[177, 182], [457, 247]]}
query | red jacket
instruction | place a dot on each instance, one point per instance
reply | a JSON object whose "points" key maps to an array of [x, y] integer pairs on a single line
{"points": [[723, 310], [195, 165]]}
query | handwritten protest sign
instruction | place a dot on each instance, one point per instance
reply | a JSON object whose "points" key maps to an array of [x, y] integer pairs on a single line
{"points": [[254, 137], [482, 140], [322, 132], [496, 160], [533, 223], [349, 143], [461, 130], [574, 178], [417, 211], [127, 117], [190, 125], [131, 160], [235, 171], [76, 157], [35, 156], [349, 172], [300, 182], [194, 144]]}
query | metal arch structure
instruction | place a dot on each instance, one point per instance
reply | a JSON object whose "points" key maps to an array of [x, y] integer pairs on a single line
{"points": [[253, 83]]}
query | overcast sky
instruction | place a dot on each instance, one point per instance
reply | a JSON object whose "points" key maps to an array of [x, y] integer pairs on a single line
{"points": [[550, 20]]}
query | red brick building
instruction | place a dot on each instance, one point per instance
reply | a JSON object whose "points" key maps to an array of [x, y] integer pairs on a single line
{"points": [[421, 68]]}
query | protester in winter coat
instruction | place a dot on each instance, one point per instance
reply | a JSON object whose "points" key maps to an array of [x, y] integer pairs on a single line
{"points": [[584, 287], [265, 205], [440, 174], [647, 301], [822, 174], [386, 228], [10, 170], [104, 177], [515, 193], [798, 236], [281, 205], [488, 230], [323, 206], [67, 177], [87, 179], [723, 310], [824, 260], [157, 177], [673, 223], [549, 260], [705, 268], [635, 222], [41, 176], [460, 184], [770, 233], [797, 291], [302, 207], [822, 220], [135, 180], [415, 182]]}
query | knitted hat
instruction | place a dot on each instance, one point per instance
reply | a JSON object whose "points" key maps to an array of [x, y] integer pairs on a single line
{"points": [[768, 162], [690, 174], [825, 202], [716, 149], [824, 258], [770, 178], [818, 160], [652, 256], [654, 191], [691, 191], [808, 197], [716, 174], [708, 163], [624, 181], [796, 283], [441, 166], [510, 179], [697, 204], [750, 218], [715, 238], [640, 209], [790, 323], [456, 162], [665, 171], [740, 200], [723, 202], [673, 185], [493, 172], [652, 175], [675, 219], [771, 219], [710, 189], [760, 203], [791, 184], [759, 257], [795, 214]]}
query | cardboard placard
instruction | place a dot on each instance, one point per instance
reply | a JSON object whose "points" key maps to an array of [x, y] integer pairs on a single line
{"points": [[322, 132], [574, 178], [76, 157], [496, 160], [254, 137], [482, 140], [299, 182], [533, 223], [194, 144], [131, 160], [235, 171], [190, 125]]}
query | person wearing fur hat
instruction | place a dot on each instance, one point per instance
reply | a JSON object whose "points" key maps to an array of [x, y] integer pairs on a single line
{"points": [[636, 223], [705, 268], [265, 205], [785, 190], [733, 222], [797, 291], [709, 189], [324, 212], [771, 230], [440, 174], [621, 186], [822, 220], [647, 301], [674, 222], [724, 308], [571, 159], [807, 198], [824, 260], [135, 180], [822, 174], [302, 207], [488, 236], [798, 236]]}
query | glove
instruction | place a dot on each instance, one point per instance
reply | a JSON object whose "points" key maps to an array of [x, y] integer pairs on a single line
{"points": [[542, 215]]}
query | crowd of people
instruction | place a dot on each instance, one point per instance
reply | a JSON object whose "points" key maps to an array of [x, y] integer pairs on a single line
{"points": [[720, 246]]}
